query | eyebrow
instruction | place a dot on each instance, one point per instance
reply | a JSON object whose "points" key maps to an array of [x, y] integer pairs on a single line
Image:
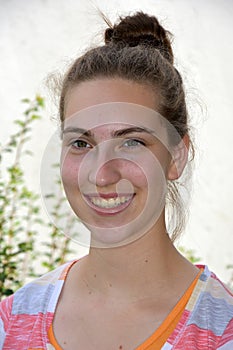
{"points": [[77, 131], [116, 133]]}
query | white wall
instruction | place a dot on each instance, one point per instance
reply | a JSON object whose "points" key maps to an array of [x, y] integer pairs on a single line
{"points": [[39, 36]]}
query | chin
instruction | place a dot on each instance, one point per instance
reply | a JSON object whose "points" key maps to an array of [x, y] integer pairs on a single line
{"points": [[112, 237]]}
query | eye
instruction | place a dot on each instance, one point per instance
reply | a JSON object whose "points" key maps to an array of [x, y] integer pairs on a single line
{"points": [[80, 144], [133, 143]]}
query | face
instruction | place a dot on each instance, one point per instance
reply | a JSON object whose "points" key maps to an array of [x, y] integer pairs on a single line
{"points": [[114, 166]]}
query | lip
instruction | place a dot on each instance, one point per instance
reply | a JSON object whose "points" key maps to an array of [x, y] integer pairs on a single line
{"points": [[108, 195], [108, 211]]}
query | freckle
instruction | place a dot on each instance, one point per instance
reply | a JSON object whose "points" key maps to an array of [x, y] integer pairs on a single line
{"points": [[90, 292], [110, 285], [146, 261], [95, 276]]}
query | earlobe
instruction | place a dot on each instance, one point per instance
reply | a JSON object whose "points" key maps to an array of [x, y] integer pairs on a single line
{"points": [[179, 158]]}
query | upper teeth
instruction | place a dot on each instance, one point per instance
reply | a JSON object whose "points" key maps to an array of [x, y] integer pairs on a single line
{"points": [[111, 202]]}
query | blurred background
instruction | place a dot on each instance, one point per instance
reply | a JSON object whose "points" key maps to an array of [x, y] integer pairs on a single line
{"points": [[38, 37]]}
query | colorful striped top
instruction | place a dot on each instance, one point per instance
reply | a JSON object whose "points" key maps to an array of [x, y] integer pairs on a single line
{"points": [[206, 322]]}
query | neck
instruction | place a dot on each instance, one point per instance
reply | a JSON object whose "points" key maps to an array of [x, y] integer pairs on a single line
{"points": [[138, 269]]}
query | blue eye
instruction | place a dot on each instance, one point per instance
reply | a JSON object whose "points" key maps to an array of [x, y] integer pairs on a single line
{"points": [[133, 143]]}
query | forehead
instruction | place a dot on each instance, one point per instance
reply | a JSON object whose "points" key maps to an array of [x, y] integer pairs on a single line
{"points": [[114, 115], [108, 117], [106, 90]]}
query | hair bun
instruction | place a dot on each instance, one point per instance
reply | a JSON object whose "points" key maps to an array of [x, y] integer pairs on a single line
{"points": [[141, 29]]}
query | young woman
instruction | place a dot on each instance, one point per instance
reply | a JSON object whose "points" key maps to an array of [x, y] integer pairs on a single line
{"points": [[125, 143]]}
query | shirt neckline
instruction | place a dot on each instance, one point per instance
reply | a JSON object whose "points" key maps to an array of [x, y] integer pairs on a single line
{"points": [[188, 298]]}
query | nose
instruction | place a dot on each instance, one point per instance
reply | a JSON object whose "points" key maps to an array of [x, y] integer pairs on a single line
{"points": [[105, 174]]}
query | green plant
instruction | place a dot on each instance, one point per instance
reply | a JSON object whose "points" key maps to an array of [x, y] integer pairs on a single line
{"points": [[58, 245], [19, 210], [20, 214]]}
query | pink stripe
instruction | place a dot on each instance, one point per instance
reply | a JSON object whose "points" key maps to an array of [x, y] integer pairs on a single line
{"points": [[227, 335], [195, 338]]}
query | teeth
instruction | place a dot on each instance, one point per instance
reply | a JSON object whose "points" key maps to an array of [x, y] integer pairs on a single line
{"points": [[111, 202]]}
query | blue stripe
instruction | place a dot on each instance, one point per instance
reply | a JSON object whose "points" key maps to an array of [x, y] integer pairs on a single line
{"points": [[32, 299], [211, 313]]}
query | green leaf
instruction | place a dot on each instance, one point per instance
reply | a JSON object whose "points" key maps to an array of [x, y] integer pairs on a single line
{"points": [[40, 101], [8, 292], [28, 152], [19, 122], [25, 100], [35, 117]]}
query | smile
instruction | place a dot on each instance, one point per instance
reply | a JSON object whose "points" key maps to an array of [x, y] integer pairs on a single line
{"points": [[109, 205], [111, 202]]}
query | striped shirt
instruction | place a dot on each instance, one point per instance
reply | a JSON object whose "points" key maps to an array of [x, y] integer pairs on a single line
{"points": [[206, 323]]}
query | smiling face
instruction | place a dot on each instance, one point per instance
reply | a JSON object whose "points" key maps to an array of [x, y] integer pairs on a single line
{"points": [[114, 166]]}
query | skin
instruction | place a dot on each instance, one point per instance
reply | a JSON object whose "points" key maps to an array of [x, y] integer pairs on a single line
{"points": [[116, 297], [100, 178]]}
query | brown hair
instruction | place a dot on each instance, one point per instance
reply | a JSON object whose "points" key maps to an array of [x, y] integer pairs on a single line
{"points": [[138, 48]]}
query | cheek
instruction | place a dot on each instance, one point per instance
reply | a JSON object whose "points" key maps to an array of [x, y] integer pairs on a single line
{"points": [[139, 173], [69, 172], [146, 172], [135, 175]]}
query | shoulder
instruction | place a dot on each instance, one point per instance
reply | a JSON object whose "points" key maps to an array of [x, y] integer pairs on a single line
{"points": [[219, 299], [35, 297], [213, 309], [5, 312], [216, 294], [208, 318]]}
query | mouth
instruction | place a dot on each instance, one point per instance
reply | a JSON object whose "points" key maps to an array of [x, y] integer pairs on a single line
{"points": [[109, 204]]}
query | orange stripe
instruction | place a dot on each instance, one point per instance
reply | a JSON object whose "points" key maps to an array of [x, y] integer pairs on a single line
{"points": [[66, 270], [159, 337], [52, 339]]}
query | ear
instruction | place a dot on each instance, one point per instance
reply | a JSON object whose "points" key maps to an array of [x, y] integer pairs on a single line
{"points": [[179, 158]]}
